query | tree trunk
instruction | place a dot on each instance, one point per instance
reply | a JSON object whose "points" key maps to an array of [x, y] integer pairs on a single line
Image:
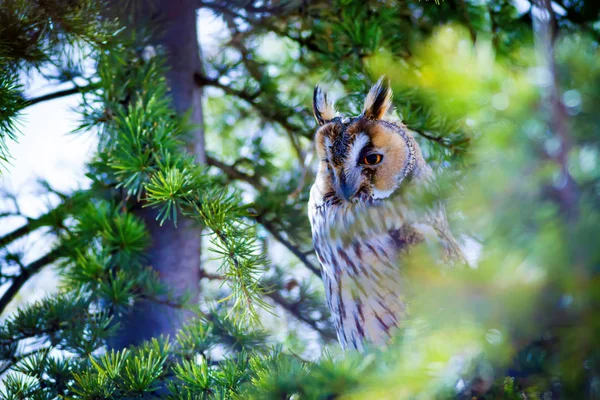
{"points": [[175, 251]]}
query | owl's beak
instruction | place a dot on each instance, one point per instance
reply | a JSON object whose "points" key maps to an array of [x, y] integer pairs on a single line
{"points": [[348, 187]]}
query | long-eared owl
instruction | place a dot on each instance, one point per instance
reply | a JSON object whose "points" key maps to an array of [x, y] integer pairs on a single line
{"points": [[359, 238]]}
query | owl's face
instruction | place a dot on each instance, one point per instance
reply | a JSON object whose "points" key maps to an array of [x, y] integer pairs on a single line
{"points": [[364, 157]]}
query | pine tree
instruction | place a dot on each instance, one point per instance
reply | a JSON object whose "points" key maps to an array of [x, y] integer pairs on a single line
{"points": [[502, 102]]}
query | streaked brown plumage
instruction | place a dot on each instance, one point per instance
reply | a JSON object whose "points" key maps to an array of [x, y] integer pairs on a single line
{"points": [[361, 229]]}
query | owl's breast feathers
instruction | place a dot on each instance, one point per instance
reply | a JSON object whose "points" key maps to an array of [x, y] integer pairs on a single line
{"points": [[360, 247]]}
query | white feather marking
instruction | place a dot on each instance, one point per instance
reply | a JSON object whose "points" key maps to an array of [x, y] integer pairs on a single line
{"points": [[382, 194], [360, 142]]}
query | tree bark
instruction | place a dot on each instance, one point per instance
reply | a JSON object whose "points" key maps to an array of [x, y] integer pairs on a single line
{"points": [[174, 251]]}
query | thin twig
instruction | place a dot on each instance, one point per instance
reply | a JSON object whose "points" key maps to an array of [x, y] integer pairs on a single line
{"points": [[18, 233], [202, 81], [44, 220], [441, 140], [287, 305], [60, 93], [256, 71], [305, 167], [27, 273], [267, 114], [228, 7], [234, 173], [293, 309], [293, 249]]}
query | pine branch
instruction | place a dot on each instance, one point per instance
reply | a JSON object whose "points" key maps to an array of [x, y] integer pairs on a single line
{"points": [[256, 71], [9, 363], [202, 81], [61, 93], [249, 7], [225, 10], [267, 114], [234, 173], [441, 140], [47, 219], [293, 249], [26, 273], [18, 233], [290, 307], [241, 256], [428, 136]]}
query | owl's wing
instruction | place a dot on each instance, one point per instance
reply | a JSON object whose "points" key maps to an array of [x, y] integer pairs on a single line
{"points": [[433, 229]]}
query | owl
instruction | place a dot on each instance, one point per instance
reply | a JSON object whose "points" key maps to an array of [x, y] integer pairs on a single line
{"points": [[361, 227]]}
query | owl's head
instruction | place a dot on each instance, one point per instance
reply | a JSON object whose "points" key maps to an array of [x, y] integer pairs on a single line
{"points": [[364, 157]]}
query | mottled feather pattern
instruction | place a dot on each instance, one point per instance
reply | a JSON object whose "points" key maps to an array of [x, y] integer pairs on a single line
{"points": [[363, 273], [362, 281]]}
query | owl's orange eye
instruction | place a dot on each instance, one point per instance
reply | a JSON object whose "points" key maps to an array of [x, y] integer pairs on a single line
{"points": [[372, 159]]}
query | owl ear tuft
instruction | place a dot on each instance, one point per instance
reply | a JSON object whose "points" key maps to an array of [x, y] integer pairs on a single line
{"points": [[324, 111], [378, 100]]}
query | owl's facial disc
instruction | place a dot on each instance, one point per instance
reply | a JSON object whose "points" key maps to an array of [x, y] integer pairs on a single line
{"points": [[352, 162], [362, 159]]}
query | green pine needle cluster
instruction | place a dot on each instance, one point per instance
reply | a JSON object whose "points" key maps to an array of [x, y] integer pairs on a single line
{"points": [[50, 37], [142, 154]]}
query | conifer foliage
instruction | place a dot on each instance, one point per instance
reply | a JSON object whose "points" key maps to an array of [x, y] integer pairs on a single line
{"points": [[503, 102]]}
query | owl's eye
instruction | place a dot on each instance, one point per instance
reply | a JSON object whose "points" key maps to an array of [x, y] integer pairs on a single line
{"points": [[372, 159]]}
